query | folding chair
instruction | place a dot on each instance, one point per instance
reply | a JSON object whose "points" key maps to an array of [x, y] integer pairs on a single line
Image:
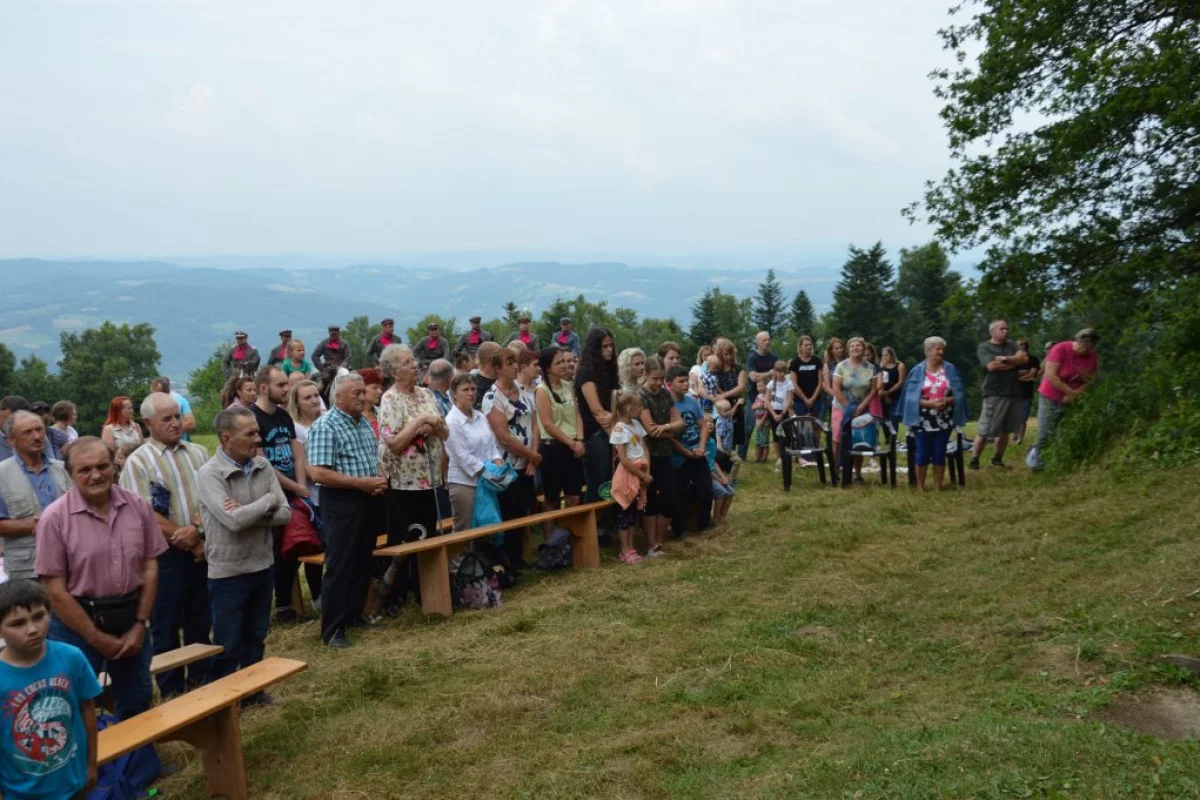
{"points": [[864, 443], [802, 437], [956, 449]]}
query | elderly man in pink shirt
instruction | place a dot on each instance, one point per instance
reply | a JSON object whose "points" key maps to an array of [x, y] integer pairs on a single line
{"points": [[97, 557]]}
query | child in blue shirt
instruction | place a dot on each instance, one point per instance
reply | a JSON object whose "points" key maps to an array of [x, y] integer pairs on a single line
{"points": [[48, 691], [722, 486]]}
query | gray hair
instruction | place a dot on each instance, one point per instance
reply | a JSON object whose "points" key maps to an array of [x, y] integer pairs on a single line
{"points": [[932, 342], [440, 370], [350, 377], [992, 325], [11, 422], [390, 357], [150, 409], [225, 421]]}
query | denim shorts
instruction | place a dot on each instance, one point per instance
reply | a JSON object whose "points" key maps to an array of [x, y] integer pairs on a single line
{"points": [[721, 491]]}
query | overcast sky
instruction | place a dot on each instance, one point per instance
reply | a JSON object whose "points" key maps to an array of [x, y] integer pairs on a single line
{"points": [[666, 126]]}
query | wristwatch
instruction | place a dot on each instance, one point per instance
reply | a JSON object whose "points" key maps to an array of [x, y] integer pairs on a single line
{"points": [[145, 623]]}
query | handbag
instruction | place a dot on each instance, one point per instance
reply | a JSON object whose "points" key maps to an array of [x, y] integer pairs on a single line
{"points": [[112, 615], [300, 535]]}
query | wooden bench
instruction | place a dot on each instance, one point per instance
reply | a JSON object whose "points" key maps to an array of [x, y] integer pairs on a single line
{"points": [[207, 719], [174, 659], [434, 554]]}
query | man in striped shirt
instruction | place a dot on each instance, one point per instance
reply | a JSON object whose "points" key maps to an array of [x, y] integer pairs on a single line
{"points": [[164, 471], [343, 456]]}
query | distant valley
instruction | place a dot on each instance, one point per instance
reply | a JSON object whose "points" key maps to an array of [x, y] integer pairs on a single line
{"points": [[194, 308]]}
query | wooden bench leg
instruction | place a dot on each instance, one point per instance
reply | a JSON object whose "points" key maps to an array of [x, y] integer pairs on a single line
{"points": [[585, 549], [433, 570], [219, 740], [297, 595]]}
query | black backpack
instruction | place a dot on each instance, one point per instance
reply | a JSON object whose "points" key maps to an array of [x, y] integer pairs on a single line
{"points": [[498, 564], [555, 552]]}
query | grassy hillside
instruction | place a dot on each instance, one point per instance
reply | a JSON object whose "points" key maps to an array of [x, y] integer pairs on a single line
{"points": [[862, 643]]}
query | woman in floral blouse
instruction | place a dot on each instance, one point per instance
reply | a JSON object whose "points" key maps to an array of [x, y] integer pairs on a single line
{"points": [[411, 436]]}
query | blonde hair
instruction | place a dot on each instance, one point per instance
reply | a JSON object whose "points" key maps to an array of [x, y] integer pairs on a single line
{"points": [[703, 353], [625, 366], [723, 346], [293, 403], [623, 404]]}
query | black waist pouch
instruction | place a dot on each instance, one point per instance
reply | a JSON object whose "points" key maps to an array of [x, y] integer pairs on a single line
{"points": [[112, 615]]}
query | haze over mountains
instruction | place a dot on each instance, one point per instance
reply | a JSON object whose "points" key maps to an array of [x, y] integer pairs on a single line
{"points": [[195, 307]]}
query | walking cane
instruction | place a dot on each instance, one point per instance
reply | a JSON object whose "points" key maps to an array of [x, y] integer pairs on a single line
{"points": [[388, 581]]}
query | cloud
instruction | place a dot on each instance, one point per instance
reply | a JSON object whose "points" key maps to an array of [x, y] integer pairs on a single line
{"points": [[656, 125]]}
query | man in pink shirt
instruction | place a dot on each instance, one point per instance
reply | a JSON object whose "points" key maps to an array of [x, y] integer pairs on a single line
{"points": [[97, 554], [1070, 368]]}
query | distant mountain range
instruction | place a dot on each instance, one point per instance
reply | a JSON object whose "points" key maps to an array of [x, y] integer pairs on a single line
{"points": [[194, 308]]}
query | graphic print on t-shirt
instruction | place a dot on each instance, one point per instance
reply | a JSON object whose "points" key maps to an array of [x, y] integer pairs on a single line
{"points": [[277, 431], [41, 717]]}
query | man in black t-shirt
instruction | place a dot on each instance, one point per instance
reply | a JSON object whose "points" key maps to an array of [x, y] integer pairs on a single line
{"points": [[279, 446], [1029, 375], [759, 365]]}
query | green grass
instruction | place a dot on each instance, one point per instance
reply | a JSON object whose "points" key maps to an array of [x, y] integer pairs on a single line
{"points": [[829, 644]]}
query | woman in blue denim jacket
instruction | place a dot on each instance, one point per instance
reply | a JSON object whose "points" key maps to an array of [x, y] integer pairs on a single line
{"points": [[934, 402]]}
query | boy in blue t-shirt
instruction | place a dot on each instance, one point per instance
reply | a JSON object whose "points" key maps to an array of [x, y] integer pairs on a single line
{"points": [[47, 694], [691, 467]]}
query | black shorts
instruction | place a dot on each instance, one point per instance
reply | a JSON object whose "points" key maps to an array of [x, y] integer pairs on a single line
{"points": [[661, 499], [562, 472]]}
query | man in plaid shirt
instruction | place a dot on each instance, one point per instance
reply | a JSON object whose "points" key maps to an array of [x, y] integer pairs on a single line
{"points": [[343, 457]]}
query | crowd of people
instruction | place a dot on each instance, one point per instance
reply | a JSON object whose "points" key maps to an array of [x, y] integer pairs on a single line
{"points": [[135, 542]]}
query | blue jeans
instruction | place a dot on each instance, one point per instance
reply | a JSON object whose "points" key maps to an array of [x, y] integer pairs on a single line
{"points": [[181, 608], [241, 613], [931, 447], [129, 678]]}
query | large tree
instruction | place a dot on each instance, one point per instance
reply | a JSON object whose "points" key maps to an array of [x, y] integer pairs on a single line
{"points": [[447, 328], [1075, 129], [204, 389], [864, 300], [8, 366], [33, 381], [802, 317], [719, 314], [99, 364], [769, 305], [358, 333]]}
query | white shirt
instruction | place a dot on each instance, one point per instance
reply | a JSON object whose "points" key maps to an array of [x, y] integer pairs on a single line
{"points": [[781, 394], [470, 443], [632, 435]]}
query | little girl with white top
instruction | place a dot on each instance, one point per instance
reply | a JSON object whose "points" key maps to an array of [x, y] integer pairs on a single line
{"points": [[632, 475]]}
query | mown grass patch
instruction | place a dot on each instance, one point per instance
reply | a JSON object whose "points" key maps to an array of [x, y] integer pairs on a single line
{"points": [[829, 643]]}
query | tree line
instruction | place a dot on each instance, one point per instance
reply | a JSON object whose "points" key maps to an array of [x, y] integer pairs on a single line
{"points": [[886, 306]]}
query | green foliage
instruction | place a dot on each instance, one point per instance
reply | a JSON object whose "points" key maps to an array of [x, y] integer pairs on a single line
{"points": [[512, 316], [769, 312], [99, 364], [449, 329], [1073, 133], [864, 300], [358, 333], [1147, 397], [802, 318], [719, 314], [8, 366], [204, 389], [1108, 171], [33, 381]]}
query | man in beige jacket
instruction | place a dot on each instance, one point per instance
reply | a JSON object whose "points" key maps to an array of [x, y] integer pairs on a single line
{"points": [[240, 501]]}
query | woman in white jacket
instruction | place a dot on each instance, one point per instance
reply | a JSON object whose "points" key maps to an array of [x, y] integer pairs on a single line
{"points": [[470, 444]]}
